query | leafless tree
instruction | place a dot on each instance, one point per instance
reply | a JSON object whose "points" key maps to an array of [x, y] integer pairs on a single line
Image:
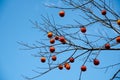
{"points": [[102, 28]]}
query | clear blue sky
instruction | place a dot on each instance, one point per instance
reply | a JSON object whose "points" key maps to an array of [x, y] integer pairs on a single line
{"points": [[15, 26]]}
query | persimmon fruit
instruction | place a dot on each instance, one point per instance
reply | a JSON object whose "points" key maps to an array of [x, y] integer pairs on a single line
{"points": [[83, 68], [118, 39], [118, 22], [83, 29], [107, 46], [54, 58], [103, 12], [71, 59], [62, 40], [52, 49], [43, 59], [96, 62], [62, 13], [60, 66], [50, 34], [52, 41], [67, 66], [56, 37]]}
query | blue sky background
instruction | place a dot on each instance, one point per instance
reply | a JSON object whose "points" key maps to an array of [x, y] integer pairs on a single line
{"points": [[15, 26]]}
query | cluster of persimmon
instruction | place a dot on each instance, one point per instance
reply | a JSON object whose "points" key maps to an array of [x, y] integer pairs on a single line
{"points": [[71, 60], [107, 45], [63, 41], [66, 64], [52, 39], [52, 48]]}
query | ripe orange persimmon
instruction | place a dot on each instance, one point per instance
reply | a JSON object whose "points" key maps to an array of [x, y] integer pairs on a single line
{"points": [[43, 59], [118, 22], [118, 39], [62, 39], [56, 37], [50, 34], [62, 13], [83, 68], [54, 58], [103, 12], [52, 49], [71, 59], [60, 66], [52, 41], [67, 66], [83, 29], [96, 62], [107, 46]]}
